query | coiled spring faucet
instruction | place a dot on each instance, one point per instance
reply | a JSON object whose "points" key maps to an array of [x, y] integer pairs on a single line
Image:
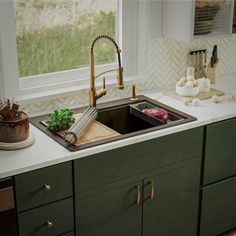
{"points": [[93, 94]]}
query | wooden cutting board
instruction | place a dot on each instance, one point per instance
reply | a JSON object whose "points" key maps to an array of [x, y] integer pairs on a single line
{"points": [[95, 132], [200, 96]]}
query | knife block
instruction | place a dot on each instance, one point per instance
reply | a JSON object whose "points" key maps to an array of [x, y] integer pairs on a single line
{"points": [[212, 73]]}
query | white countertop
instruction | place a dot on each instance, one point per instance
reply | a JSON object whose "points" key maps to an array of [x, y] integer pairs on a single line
{"points": [[47, 152]]}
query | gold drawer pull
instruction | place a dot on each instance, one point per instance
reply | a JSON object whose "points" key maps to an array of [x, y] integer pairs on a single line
{"points": [[50, 224], [152, 190], [47, 187], [138, 200]]}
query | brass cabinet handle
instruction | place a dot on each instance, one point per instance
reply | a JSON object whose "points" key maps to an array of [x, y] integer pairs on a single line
{"points": [[152, 190], [50, 224], [138, 199], [47, 187]]}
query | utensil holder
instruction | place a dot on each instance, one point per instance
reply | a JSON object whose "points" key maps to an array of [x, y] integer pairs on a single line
{"points": [[212, 73]]}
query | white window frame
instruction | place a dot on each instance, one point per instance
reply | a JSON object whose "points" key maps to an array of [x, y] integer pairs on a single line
{"points": [[132, 40]]}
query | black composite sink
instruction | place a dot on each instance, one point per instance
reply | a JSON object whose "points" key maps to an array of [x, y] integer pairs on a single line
{"points": [[122, 120], [125, 117]]}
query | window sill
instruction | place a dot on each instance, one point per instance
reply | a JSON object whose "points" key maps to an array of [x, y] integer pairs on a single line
{"points": [[70, 91]]}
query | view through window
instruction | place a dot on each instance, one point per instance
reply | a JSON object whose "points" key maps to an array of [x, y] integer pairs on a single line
{"points": [[55, 35]]}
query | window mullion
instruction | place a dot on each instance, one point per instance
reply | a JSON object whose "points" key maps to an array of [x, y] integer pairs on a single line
{"points": [[8, 51]]}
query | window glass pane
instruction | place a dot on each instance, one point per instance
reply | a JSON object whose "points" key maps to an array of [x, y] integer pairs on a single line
{"points": [[55, 35]]}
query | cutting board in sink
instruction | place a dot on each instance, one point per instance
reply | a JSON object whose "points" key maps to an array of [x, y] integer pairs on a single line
{"points": [[94, 133]]}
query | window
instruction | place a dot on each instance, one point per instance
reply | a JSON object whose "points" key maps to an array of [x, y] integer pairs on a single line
{"points": [[56, 35], [45, 45]]}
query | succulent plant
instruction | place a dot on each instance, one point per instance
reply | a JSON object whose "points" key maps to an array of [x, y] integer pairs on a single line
{"points": [[60, 119]]}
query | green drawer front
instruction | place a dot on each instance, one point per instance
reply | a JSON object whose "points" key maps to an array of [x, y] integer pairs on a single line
{"points": [[30, 187], [128, 161], [68, 234], [218, 208], [220, 155], [34, 222]]}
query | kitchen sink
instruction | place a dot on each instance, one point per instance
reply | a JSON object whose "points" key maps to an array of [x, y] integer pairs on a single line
{"points": [[122, 120], [126, 117]]}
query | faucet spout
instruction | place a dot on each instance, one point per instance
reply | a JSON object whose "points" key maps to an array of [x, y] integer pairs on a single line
{"points": [[93, 94]]}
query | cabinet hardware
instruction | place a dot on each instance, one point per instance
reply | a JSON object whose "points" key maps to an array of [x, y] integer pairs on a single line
{"points": [[138, 195], [47, 187], [50, 224], [152, 190]]}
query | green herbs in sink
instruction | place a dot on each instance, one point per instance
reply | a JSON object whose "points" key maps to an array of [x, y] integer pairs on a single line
{"points": [[60, 119]]}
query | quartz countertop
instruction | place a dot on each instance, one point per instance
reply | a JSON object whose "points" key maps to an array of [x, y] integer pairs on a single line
{"points": [[45, 151]]}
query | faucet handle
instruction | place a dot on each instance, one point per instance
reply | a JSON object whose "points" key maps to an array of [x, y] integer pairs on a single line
{"points": [[102, 91]]}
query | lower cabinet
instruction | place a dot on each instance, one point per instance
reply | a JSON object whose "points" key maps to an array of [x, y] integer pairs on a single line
{"points": [[219, 179], [218, 208], [45, 201], [162, 205], [49, 220], [113, 212], [170, 203]]}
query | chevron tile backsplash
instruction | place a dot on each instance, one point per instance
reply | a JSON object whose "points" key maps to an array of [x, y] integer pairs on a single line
{"points": [[167, 62]]}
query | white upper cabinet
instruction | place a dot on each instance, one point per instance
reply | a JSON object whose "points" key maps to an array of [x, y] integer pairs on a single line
{"points": [[186, 20]]}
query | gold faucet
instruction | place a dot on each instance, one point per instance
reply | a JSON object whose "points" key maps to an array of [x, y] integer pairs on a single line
{"points": [[93, 94]]}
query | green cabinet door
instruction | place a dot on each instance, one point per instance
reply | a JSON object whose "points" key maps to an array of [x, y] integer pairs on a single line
{"points": [[113, 212], [218, 213], [170, 202], [220, 154]]}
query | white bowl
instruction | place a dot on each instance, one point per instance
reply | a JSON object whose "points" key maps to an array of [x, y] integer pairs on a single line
{"points": [[187, 92]]}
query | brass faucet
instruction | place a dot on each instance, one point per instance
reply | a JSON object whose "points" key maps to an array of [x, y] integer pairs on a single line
{"points": [[93, 94]]}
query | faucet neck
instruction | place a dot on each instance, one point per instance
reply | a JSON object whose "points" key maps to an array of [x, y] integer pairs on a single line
{"points": [[93, 95]]}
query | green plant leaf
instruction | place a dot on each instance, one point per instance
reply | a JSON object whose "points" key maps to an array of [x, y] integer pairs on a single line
{"points": [[60, 119]]}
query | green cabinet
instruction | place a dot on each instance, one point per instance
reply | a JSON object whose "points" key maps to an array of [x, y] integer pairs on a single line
{"points": [[110, 212], [150, 188], [219, 179], [44, 201], [42, 186], [170, 202], [49, 220], [162, 205], [218, 208], [220, 153]]}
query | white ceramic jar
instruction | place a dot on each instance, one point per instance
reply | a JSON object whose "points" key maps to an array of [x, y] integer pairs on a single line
{"points": [[204, 85]]}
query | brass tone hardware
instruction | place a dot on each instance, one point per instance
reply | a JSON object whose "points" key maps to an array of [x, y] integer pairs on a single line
{"points": [[93, 94], [102, 91], [152, 190], [50, 224], [133, 95], [47, 187], [107, 71], [138, 199], [120, 84]]}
